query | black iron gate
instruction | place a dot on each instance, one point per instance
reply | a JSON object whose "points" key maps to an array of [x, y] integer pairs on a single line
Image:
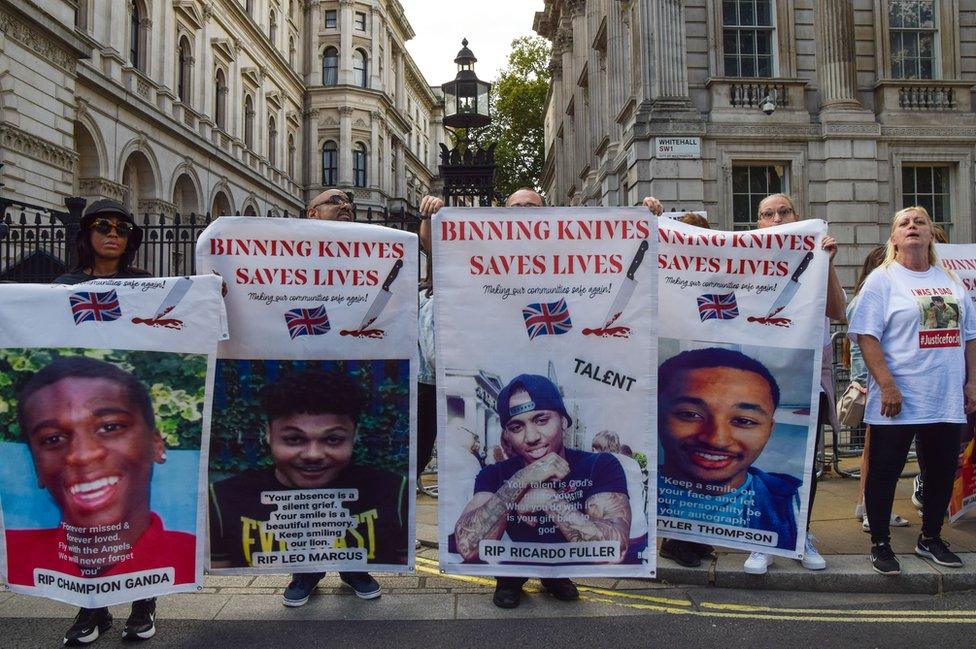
{"points": [[37, 243]]}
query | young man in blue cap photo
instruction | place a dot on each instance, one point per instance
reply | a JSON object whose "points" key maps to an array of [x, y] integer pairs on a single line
{"points": [[544, 492]]}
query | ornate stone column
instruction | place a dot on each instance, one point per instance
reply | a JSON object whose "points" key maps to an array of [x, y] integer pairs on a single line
{"points": [[401, 80], [345, 41], [345, 145], [835, 38], [374, 148], [374, 64], [668, 39]]}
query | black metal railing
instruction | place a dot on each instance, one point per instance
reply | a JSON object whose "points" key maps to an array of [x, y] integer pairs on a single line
{"points": [[37, 243]]}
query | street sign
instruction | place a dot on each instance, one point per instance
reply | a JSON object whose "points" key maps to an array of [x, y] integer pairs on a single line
{"points": [[688, 148]]}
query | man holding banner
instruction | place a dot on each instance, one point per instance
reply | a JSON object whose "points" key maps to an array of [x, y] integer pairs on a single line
{"points": [[544, 494]]}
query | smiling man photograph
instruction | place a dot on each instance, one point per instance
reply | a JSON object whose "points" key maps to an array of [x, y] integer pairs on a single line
{"points": [[92, 435], [312, 422], [715, 416]]}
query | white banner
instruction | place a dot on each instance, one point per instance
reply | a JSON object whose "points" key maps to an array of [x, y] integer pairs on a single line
{"points": [[105, 399], [545, 346], [311, 462], [960, 259], [741, 337]]}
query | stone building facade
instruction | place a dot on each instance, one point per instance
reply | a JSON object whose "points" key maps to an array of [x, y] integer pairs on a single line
{"points": [[179, 106], [855, 107]]}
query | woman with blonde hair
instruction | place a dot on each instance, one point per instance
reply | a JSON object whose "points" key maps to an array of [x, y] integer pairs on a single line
{"points": [[920, 386], [859, 376]]}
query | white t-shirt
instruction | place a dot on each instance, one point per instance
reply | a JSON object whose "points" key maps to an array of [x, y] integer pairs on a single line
{"points": [[922, 320]]}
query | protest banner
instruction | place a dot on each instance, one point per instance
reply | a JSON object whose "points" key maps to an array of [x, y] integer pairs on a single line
{"points": [[741, 336], [960, 259], [311, 462], [545, 345], [105, 396]]}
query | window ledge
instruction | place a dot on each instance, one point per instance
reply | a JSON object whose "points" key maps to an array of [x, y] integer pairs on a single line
{"points": [[912, 95], [736, 97]]}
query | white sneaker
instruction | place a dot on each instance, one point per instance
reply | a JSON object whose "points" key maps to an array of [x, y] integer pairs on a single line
{"points": [[757, 563], [895, 521], [812, 560]]}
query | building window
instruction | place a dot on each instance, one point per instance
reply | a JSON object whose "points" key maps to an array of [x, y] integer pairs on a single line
{"points": [[184, 71], [291, 51], [913, 32], [330, 67], [248, 122], [249, 6], [747, 38], [291, 155], [360, 67], [330, 164], [928, 187], [81, 15], [273, 28], [135, 36], [331, 19], [750, 185], [220, 99], [272, 142], [359, 164], [360, 21]]}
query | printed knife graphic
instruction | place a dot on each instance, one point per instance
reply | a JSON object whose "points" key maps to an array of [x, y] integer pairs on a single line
{"points": [[174, 296], [792, 286], [626, 288], [380, 301]]}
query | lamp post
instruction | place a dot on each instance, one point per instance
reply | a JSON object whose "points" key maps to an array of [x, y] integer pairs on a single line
{"points": [[468, 170]]}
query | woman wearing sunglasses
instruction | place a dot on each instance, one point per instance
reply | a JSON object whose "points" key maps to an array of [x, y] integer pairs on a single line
{"points": [[106, 245]]}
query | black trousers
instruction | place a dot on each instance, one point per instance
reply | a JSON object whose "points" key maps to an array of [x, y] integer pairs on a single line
{"points": [[823, 418], [518, 582], [937, 446], [426, 424]]}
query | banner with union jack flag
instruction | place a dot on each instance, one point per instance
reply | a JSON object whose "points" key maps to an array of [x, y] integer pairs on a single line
{"points": [[718, 306], [95, 307], [307, 322], [547, 319]]}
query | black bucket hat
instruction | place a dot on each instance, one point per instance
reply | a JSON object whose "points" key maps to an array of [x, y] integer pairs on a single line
{"points": [[107, 207]]}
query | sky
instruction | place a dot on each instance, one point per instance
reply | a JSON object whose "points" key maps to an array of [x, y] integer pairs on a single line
{"points": [[489, 26]]}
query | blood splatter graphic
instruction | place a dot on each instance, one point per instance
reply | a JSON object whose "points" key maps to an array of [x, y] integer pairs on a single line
{"points": [[169, 323], [363, 333], [766, 320], [160, 321], [608, 332]]}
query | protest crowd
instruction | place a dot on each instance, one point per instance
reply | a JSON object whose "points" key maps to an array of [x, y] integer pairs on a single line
{"points": [[526, 502]]}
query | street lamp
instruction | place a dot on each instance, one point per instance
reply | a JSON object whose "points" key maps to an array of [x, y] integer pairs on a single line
{"points": [[466, 98], [467, 169]]}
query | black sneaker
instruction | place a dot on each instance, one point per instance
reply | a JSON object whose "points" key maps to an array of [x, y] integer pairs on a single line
{"points": [[561, 588], [362, 584], [883, 559], [508, 594], [141, 624], [937, 550], [301, 587], [681, 552], [88, 625]]}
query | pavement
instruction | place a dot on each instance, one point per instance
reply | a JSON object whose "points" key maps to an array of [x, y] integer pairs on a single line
{"points": [[838, 537], [847, 593]]}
